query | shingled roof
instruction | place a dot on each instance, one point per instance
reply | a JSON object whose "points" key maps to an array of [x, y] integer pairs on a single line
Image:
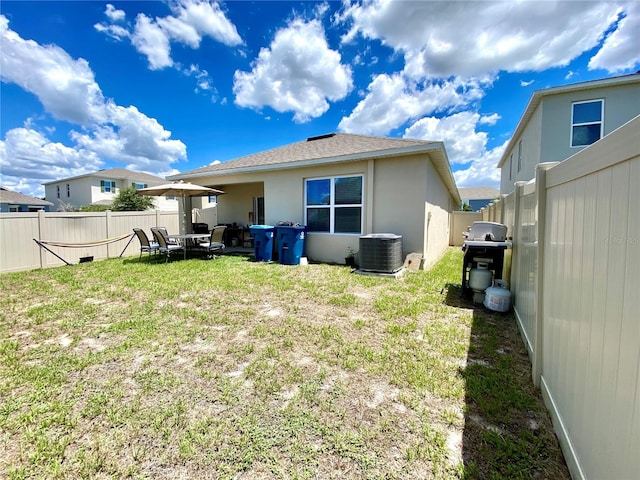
{"points": [[330, 148], [116, 174], [15, 198]]}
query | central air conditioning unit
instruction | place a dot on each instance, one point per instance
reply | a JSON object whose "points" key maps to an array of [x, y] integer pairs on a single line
{"points": [[381, 252]]}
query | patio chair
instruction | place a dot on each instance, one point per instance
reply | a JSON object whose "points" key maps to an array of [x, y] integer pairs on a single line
{"points": [[145, 244], [215, 244], [164, 247], [165, 234]]}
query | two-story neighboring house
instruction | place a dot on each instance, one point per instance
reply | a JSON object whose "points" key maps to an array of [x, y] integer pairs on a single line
{"points": [[559, 121], [101, 187]]}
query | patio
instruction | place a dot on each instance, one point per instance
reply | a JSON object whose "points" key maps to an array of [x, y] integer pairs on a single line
{"points": [[235, 369]]}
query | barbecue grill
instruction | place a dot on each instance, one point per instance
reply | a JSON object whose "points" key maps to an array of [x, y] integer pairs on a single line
{"points": [[484, 247]]}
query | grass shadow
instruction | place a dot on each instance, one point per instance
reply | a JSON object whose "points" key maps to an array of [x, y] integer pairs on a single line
{"points": [[507, 430]]}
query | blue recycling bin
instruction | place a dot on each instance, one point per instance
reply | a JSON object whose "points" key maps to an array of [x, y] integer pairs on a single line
{"points": [[262, 242], [291, 243]]}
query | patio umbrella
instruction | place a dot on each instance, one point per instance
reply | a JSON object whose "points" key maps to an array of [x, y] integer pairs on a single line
{"points": [[179, 189]]}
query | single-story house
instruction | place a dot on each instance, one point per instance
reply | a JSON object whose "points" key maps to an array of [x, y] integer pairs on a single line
{"points": [[341, 186], [11, 201]]}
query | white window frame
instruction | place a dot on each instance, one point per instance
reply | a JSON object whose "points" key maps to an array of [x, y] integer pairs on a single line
{"points": [[332, 206], [108, 186], [601, 122]]}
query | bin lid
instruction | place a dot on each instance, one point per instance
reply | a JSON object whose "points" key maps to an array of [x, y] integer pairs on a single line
{"points": [[291, 227], [261, 227]]}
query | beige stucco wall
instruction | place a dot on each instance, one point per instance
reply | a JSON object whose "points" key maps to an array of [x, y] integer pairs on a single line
{"points": [[396, 196], [438, 206]]}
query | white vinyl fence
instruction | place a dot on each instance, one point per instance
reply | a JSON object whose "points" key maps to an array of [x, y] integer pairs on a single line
{"points": [[575, 280], [19, 251]]}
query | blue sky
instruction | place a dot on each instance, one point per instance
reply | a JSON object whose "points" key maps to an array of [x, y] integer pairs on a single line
{"points": [[167, 87]]}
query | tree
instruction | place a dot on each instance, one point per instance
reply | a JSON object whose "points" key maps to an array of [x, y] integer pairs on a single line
{"points": [[466, 208], [128, 200]]}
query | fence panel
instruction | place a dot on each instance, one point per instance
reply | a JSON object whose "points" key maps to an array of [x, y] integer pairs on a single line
{"points": [[18, 251], [591, 351], [460, 221], [526, 260]]}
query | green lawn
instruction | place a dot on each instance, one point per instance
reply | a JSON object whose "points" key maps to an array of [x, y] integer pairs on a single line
{"points": [[230, 369]]}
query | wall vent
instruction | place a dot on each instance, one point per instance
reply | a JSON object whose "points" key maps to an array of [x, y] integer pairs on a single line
{"points": [[381, 252]]}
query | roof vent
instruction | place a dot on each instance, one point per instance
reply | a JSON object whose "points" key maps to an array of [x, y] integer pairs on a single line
{"points": [[320, 137]]}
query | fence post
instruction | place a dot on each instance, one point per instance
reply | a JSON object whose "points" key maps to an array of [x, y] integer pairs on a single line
{"points": [[502, 209], [515, 240], [541, 224], [41, 221], [107, 219]]}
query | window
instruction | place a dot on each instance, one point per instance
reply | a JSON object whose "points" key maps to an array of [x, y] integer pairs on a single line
{"points": [[519, 155], [107, 186], [57, 191], [334, 205], [586, 122], [68, 190], [213, 199], [136, 185]]}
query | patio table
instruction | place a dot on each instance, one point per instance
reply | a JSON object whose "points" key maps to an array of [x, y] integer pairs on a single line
{"points": [[189, 239]]}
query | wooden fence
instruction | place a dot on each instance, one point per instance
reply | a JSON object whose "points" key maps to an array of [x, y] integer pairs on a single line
{"points": [[19, 251], [575, 275]]}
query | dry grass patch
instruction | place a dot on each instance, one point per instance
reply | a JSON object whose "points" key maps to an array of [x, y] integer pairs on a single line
{"points": [[230, 369]]}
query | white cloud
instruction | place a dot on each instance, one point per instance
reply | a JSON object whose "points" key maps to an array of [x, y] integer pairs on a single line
{"points": [[28, 159], [207, 18], [621, 48], [190, 21], [67, 89], [114, 14], [525, 83], [151, 40], [298, 72], [464, 145], [392, 100], [133, 138], [440, 39]]}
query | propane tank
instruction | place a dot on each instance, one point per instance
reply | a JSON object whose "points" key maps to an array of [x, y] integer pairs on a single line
{"points": [[480, 278], [498, 297]]}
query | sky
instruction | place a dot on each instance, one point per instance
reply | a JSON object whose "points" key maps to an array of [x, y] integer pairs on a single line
{"points": [[168, 87]]}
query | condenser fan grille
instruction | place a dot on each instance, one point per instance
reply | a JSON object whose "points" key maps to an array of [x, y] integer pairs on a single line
{"points": [[381, 252]]}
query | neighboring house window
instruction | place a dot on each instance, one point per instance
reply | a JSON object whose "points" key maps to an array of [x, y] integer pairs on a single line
{"points": [[213, 199], [519, 155], [14, 208], [334, 205], [586, 122], [107, 186], [68, 190], [57, 191], [138, 185]]}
